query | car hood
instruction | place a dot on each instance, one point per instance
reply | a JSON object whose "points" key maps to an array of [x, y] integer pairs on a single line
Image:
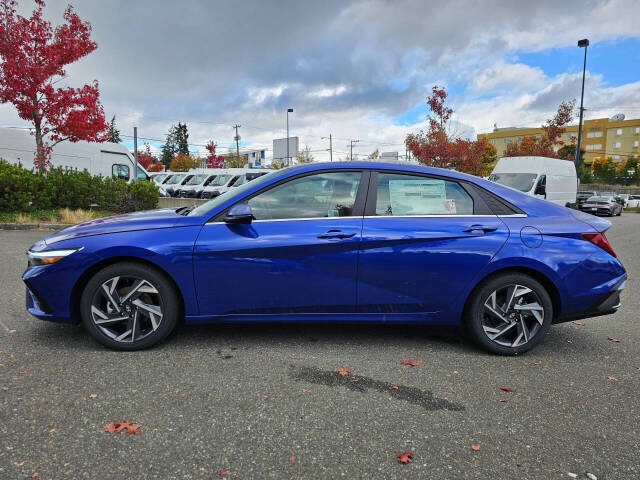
{"points": [[146, 220]]}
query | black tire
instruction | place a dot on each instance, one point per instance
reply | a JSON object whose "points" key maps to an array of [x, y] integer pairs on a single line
{"points": [[475, 314], [165, 293]]}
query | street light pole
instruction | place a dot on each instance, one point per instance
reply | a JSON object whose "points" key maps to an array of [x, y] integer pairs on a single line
{"points": [[351, 149], [289, 110], [330, 147], [581, 43]]}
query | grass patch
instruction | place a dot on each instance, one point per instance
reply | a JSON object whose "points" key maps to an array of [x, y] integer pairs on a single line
{"points": [[631, 210], [63, 215]]}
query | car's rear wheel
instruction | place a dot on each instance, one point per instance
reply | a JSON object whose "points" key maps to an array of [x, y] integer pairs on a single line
{"points": [[509, 314], [129, 306]]}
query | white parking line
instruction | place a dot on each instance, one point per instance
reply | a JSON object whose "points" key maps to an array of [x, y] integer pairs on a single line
{"points": [[6, 328]]}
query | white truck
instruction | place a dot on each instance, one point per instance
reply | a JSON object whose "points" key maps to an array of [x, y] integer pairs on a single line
{"points": [[552, 179], [229, 178], [17, 145]]}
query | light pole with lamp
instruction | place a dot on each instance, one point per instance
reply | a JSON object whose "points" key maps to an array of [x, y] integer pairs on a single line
{"points": [[289, 110], [581, 43]]}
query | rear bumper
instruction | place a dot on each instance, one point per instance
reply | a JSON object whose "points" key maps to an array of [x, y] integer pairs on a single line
{"points": [[609, 303]]}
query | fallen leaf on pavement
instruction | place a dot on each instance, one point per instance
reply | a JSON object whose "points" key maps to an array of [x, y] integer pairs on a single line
{"points": [[93, 395], [613, 379], [223, 473], [292, 459], [27, 370], [614, 340], [21, 463], [304, 390], [507, 389], [405, 457], [52, 430], [343, 371], [579, 323], [35, 475], [393, 387], [475, 448], [502, 400], [116, 427], [411, 362], [5, 388]]}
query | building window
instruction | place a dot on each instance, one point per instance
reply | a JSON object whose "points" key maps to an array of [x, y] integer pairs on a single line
{"points": [[619, 131], [493, 142], [636, 131], [616, 157], [635, 143], [617, 144], [594, 134], [597, 146], [507, 141]]}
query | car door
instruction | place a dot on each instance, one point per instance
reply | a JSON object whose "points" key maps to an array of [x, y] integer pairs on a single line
{"points": [[424, 239], [298, 255]]}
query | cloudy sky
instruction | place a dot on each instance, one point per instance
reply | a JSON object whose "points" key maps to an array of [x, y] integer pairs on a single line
{"points": [[355, 69]]}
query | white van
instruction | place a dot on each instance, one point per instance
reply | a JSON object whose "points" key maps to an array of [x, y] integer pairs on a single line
{"points": [[552, 179], [17, 145]]}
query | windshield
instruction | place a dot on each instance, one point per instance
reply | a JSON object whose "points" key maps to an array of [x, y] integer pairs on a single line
{"points": [[597, 199], [159, 178], [219, 200], [175, 179], [220, 180], [197, 179], [519, 181]]}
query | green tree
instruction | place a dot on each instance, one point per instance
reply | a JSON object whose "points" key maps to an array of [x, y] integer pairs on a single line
{"points": [[113, 133], [489, 157], [584, 173], [278, 164], [375, 154], [604, 168], [631, 168], [304, 156], [233, 160], [169, 149], [182, 138]]}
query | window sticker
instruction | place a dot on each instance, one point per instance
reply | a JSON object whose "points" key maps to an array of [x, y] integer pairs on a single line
{"points": [[423, 196]]}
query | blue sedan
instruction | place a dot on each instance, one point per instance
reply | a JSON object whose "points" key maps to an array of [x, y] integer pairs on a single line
{"points": [[339, 242]]}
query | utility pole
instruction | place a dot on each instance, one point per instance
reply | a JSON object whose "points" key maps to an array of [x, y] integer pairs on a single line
{"points": [[351, 142], [237, 139], [135, 153], [330, 147], [289, 110], [584, 43]]}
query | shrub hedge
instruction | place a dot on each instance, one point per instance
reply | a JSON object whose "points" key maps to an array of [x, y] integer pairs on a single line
{"points": [[23, 190]]}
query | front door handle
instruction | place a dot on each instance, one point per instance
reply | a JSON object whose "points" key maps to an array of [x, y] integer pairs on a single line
{"points": [[339, 234], [480, 228]]}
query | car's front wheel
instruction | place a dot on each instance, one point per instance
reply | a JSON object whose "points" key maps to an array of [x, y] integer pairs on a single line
{"points": [[509, 314], [129, 306]]}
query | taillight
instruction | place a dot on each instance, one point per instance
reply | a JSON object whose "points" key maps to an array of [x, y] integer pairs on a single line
{"points": [[599, 240]]}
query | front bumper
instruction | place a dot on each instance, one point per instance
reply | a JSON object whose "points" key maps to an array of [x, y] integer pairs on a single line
{"points": [[609, 303]]}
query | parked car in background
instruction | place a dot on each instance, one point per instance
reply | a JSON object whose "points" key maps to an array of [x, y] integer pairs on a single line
{"points": [[354, 242], [551, 179], [583, 195], [158, 178], [193, 187], [624, 197], [634, 201], [173, 184], [601, 205], [221, 184]]}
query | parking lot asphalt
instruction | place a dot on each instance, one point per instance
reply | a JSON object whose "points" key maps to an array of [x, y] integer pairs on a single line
{"points": [[264, 401]]}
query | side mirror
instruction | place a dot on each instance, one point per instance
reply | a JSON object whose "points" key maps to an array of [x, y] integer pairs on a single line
{"points": [[240, 213], [541, 190]]}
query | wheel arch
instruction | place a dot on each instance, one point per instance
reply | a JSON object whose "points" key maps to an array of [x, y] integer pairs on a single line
{"points": [[544, 280], [76, 292]]}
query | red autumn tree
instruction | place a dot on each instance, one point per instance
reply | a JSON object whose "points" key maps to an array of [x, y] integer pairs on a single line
{"points": [[34, 56], [213, 160], [156, 167], [439, 146], [145, 158], [552, 130]]}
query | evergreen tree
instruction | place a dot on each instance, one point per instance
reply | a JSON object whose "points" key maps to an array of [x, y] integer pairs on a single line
{"points": [[169, 149], [114, 133], [182, 138]]}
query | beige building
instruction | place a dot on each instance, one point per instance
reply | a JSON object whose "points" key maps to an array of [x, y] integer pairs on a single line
{"points": [[601, 137]]}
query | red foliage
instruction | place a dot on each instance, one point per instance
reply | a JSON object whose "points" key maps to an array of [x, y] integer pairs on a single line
{"points": [[34, 55], [343, 371], [507, 389], [413, 363], [552, 130], [156, 167], [213, 160], [145, 158], [435, 147], [114, 428]]}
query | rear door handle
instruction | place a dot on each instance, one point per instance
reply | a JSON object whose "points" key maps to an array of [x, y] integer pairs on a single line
{"points": [[339, 234], [480, 228]]}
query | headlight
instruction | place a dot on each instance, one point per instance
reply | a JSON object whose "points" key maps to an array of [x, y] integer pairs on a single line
{"points": [[37, 259]]}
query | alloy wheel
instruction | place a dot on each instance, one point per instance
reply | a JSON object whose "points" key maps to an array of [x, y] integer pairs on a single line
{"points": [[512, 315], [127, 309]]}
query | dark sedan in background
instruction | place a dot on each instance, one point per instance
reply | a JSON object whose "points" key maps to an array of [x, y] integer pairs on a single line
{"points": [[598, 205]]}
